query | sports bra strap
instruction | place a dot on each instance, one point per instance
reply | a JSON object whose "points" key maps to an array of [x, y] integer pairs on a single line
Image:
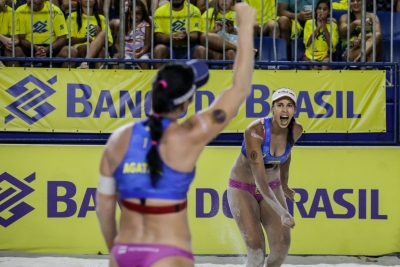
{"points": [[153, 209]]}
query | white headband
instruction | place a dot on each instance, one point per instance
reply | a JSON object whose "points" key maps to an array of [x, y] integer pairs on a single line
{"points": [[189, 94]]}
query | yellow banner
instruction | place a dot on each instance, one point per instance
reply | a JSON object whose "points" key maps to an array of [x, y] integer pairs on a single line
{"points": [[347, 200], [61, 100]]}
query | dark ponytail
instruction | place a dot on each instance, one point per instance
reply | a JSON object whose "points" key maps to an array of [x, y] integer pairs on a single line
{"points": [[172, 81], [290, 139], [153, 158]]}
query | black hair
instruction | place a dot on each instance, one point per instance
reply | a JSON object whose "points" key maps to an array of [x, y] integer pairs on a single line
{"points": [[129, 17], [172, 81], [328, 3], [289, 138], [352, 15], [79, 12]]}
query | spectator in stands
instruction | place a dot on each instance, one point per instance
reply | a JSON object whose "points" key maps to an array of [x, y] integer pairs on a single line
{"points": [[113, 13], [383, 5], [140, 44], [266, 21], [216, 17], [65, 6], [287, 13], [355, 34], [41, 35], [97, 31], [200, 4], [6, 41], [180, 31], [322, 36]]}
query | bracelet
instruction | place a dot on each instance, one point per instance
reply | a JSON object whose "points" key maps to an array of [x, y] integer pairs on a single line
{"points": [[285, 187]]}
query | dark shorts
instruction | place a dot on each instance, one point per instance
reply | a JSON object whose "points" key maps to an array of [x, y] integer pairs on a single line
{"points": [[27, 51], [181, 52]]}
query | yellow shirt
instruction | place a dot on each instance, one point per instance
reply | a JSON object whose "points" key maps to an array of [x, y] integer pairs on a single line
{"points": [[321, 47], [179, 21], [6, 22], [41, 24], [211, 23], [269, 10], [82, 32]]}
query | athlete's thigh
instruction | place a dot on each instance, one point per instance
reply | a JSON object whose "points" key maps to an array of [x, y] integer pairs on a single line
{"points": [[246, 212], [113, 262], [271, 221], [173, 262]]}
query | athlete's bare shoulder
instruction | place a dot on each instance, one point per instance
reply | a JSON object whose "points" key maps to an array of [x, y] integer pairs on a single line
{"points": [[120, 137], [120, 133], [255, 129]]}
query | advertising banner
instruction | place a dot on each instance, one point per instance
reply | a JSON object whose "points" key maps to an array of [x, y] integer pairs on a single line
{"points": [[88, 101], [347, 201]]}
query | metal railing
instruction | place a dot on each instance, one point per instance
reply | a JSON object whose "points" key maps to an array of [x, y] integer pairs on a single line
{"points": [[207, 21]]}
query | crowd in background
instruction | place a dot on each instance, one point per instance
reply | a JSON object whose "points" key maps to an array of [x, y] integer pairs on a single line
{"points": [[79, 27]]}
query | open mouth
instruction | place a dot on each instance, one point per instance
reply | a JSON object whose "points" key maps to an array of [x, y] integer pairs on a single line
{"points": [[284, 120]]}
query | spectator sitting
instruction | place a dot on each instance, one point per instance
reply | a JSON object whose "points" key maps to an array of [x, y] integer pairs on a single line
{"points": [[41, 35], [200, 4], [179, 32], [322, 36], [268, 17], [97, 26], [6, 41], [142, 41], [287, 14], [355, 34], [217, 32], [113, 13], [65, 6]]}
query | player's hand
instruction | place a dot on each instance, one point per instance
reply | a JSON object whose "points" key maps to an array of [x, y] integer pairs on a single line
{"points": [[245, 15], [289, 193], [287, 220]]}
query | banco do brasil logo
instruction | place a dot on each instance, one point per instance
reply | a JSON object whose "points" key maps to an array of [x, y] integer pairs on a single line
{"points": [[30, 95], [12, 191]]}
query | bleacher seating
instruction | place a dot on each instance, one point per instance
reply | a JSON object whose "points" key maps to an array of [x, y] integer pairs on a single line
{"points": [[385, 18], [396, 50], [267, 51], [337, 14]]}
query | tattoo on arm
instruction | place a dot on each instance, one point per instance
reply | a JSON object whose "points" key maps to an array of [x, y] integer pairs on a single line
{"points": [[218, 116], [253, 156], [256, 136]]}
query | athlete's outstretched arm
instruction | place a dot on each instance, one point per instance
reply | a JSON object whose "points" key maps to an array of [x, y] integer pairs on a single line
{"points": [[106, 199], [224, 108]]}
